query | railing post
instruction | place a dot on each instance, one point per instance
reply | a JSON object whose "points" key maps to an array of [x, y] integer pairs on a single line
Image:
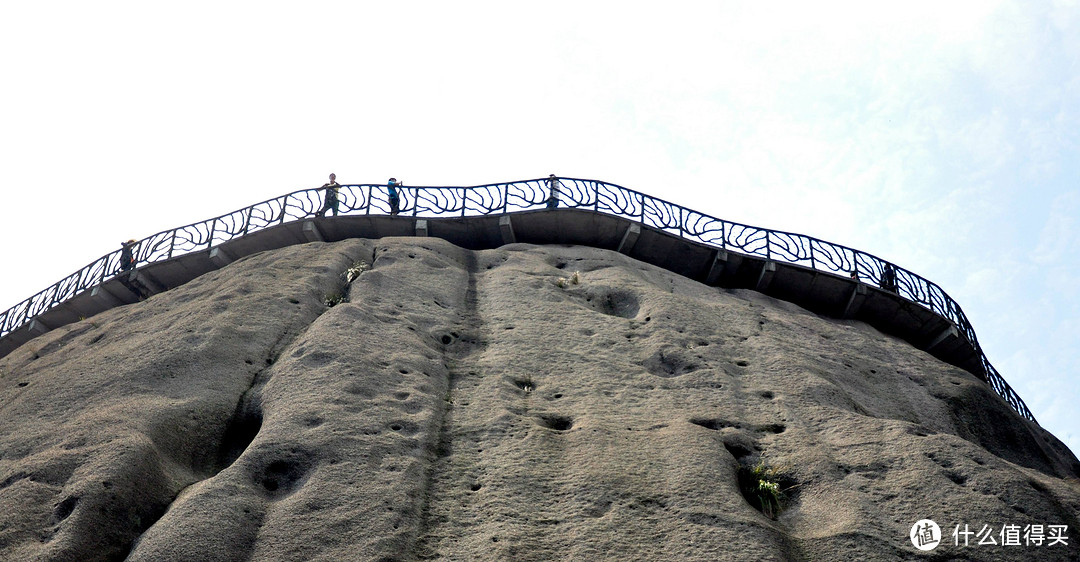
{"points": [[415, 200], [506, 197], [247, 220], [213, 226], [812, 262], [284, 207], [464, 198], [596, 195], [367, 207], [680, 223], [172, 243], [641, 218], [768, 245]]}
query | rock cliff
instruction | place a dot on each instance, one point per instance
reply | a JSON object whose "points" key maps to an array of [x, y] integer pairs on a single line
{"points": [[524, 403]]}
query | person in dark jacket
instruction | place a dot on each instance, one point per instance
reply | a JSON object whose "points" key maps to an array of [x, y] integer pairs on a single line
{"points": [[888, 278], [127, 255]]}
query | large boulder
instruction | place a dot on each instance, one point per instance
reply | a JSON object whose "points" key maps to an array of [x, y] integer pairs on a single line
{"points": [[523, 403]]}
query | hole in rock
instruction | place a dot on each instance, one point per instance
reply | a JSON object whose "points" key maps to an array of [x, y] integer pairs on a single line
{"points": [[475, 486], [742, 363], [23, 384], [284, 475], [239, 432], [765, 488], [524, 385], [713, 424], [768, 395], [773, 428], [669, 363], [738, 450], [64, 508], [446, 339], [623, 304], [956, 477], [404, 427], [558, 423]]}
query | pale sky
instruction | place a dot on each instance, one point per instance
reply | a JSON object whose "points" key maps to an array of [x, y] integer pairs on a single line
{"points": [[942, 136]]}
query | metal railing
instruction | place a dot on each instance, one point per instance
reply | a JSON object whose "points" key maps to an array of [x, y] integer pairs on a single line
{"points": [[598, 196]]}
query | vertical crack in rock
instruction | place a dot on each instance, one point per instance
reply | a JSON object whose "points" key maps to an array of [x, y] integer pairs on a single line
{"points": [[242, 428], [239, 432], [459, 357]]}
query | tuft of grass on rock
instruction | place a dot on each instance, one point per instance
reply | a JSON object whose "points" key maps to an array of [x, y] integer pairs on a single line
{"points": [[766, 488], [348, 276], [574, 279], [355, 270]]}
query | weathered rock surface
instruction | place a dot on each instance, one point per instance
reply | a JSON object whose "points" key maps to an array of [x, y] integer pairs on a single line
{"points": [[466, 405]]}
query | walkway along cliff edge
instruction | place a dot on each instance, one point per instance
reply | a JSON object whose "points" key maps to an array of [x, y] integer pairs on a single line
{"points": [[820, 276]]}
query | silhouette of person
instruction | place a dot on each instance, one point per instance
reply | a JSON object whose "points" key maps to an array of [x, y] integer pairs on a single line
{"points": [[553, 191], [855, 274], [127, 255], [392, 190], [331, 202], [888, 278]]}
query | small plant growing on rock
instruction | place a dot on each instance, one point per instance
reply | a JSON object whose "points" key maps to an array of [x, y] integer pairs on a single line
{"points": [[355, 270], [765, 487], [349, 275], [768, 489], [574, 279]]}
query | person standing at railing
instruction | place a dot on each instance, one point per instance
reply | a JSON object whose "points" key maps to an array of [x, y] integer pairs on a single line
{"points": [[127, 255], [888, 278], [553, 191], [392, 190], [331, 199]]}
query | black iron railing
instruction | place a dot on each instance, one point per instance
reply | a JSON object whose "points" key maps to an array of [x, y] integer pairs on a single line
{"points": [[500, 198]]}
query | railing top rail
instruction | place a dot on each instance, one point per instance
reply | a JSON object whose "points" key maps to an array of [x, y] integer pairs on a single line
{"points": [[515, 196]]}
